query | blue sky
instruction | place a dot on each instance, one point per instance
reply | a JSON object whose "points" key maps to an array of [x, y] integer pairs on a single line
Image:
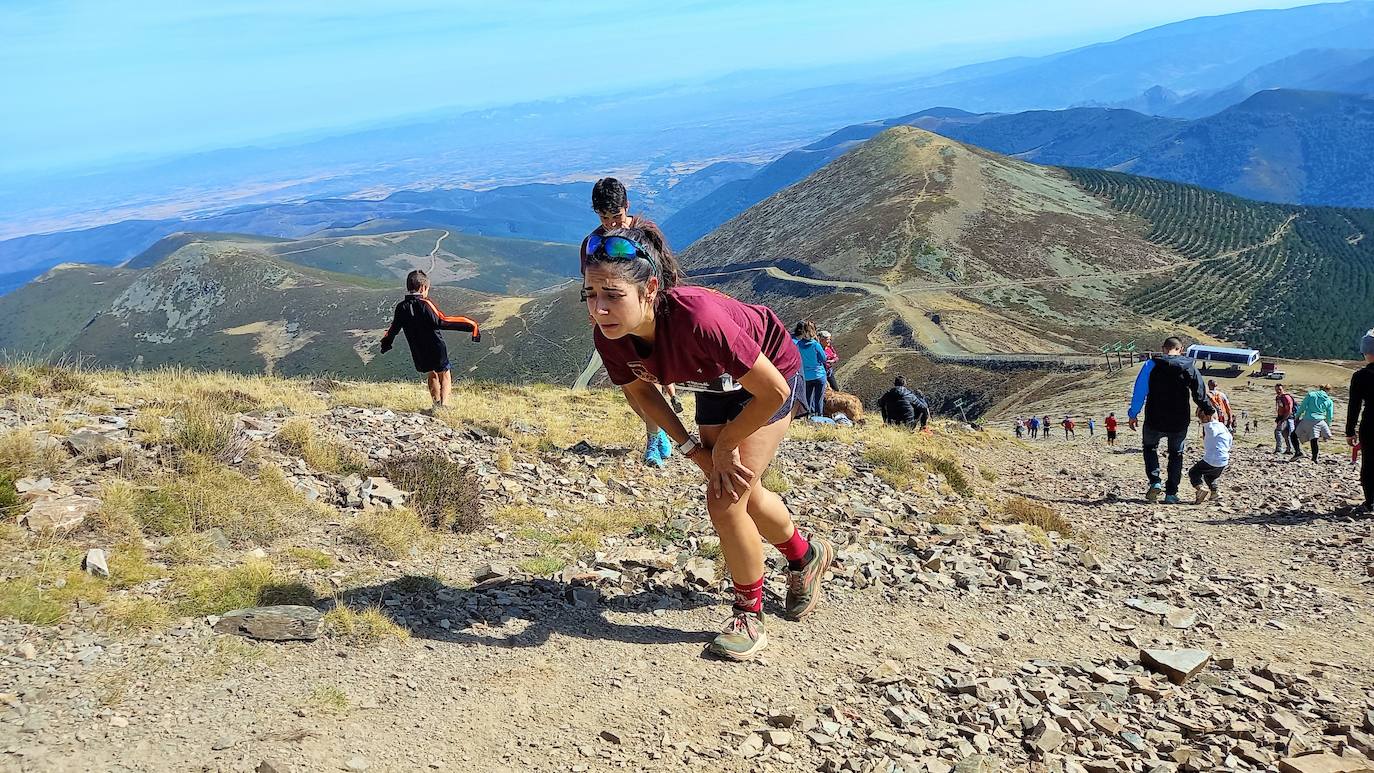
{"points": [[85, 81]]}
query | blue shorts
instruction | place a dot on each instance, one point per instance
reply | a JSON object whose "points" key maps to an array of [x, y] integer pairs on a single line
{"points": [[719, 408]]}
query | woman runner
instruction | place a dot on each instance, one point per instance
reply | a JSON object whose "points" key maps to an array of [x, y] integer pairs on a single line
{"points": [[650, 330]]}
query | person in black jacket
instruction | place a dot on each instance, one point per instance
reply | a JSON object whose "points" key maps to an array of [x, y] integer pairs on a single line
{"points": [[900, 405], [1359, 430], [421, 320], [1163, 388]]}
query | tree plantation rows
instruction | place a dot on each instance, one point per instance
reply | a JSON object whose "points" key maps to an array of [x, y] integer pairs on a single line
{"points": [[1309, 294]]}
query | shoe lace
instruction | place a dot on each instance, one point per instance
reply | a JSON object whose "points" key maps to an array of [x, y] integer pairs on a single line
{"points": [[742, 622]]}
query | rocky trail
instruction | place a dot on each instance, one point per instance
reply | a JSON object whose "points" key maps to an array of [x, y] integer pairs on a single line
{"points": [[1234, 635]]}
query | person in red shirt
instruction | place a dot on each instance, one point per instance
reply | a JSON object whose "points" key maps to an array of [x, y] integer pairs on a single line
{"points": [[1110, 424], [739, 358]]}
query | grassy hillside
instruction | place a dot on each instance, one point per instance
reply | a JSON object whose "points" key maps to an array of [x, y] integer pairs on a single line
{"points": [[1307, 294]]}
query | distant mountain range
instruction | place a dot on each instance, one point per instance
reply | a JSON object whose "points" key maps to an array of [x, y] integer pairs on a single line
{"points": [[1278, 145]]}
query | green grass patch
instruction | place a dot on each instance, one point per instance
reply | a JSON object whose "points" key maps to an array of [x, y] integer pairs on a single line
{"points": [[198, 591], [46, 599], [543, 566], [775, 481], [310, 558], [134, 614], [213, 496]]}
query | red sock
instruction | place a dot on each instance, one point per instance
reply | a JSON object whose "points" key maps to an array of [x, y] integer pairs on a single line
{"points": [[794, 549], [749, 596]]}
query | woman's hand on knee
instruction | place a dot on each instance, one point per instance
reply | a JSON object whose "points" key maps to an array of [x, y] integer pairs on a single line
{"points": [[728, 475]]}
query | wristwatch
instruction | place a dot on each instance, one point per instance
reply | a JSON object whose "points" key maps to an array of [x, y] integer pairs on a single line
{"points": [[687, 446]]}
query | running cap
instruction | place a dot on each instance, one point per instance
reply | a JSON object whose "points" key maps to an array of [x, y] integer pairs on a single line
{"points": [[823, 334], [1367, 343]]}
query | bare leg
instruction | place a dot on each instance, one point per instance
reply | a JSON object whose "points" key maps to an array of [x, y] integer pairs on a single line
{"points": [[432, 381], [759, 514], [650, 428], [445, 386]]}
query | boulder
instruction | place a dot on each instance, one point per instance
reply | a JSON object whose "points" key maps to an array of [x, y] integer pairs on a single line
{"points": [[60, 514]]}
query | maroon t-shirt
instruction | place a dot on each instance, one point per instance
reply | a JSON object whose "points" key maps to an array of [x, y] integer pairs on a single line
{"points": [[700, 334]]}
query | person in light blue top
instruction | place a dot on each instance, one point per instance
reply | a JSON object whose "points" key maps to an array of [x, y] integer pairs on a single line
{"points": [[813, 365]]}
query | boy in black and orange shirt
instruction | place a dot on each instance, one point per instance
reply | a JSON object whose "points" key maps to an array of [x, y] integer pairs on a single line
{"points": [[421, 320]]}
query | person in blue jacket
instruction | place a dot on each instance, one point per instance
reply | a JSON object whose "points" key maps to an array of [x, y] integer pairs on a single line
{"points": [[1163, 389], [813, 365]]}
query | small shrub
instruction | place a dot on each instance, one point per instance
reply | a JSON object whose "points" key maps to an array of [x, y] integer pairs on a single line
{"points": [[775, 481], [988, 474], [198, 591], [891, 464], [842, 470], [505, 463], [446, 495], [710, 550], [1022, 510], [10, 504], [117, 517], [228, 399], [368, 627], [388, 534]]}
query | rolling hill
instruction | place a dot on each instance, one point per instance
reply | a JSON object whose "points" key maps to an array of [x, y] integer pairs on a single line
{"points": [[242, 304]]}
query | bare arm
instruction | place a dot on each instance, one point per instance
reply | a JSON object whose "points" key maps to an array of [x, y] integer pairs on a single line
{"points": [[770, 391]]}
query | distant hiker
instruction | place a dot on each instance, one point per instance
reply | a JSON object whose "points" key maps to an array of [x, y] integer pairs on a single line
{"points": [[1216, 454], [900, 405], [1067, 424], [748, 377], [1316, 414], [1090, 427], [611, 203], [1045, 425], [831, 359], [1223, 405], [1034, 426], [1285, 423], [421, 320], [1110, 424], [1359, 420], [1165, 384], [1018, 427], [813, 365]]}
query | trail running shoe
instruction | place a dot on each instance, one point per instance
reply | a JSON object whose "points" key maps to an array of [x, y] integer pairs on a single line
{"points": [[1172, 499], [744, 636], [1153, 492], [1202, 493], [653, 457], [665, 445], [804, 585]]}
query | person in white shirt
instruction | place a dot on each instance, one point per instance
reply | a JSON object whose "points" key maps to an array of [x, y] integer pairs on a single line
{"points": [[1216, 454]]}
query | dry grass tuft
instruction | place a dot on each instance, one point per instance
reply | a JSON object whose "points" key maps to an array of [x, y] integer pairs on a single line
{"points": [[368, 627], [1022, 510], [390, 534], [298, 438], [133, 614], [210, 496], [23, 453], [775, 481]]}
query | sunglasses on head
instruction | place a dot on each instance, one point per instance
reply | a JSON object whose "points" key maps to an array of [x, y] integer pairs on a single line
{"points": [[616, 248]]}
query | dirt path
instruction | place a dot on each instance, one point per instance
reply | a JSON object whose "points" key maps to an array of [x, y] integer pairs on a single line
{"points": [[434, 253]]}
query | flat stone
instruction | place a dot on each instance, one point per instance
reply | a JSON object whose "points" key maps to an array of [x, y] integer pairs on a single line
{"points": [[1181, 618], [1045, 736], [357, 764], [777, 737], [1178, 665], [284, 622], [976, 763], [1322, 762], [60, 514], [610, 736], [490, 572]]}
